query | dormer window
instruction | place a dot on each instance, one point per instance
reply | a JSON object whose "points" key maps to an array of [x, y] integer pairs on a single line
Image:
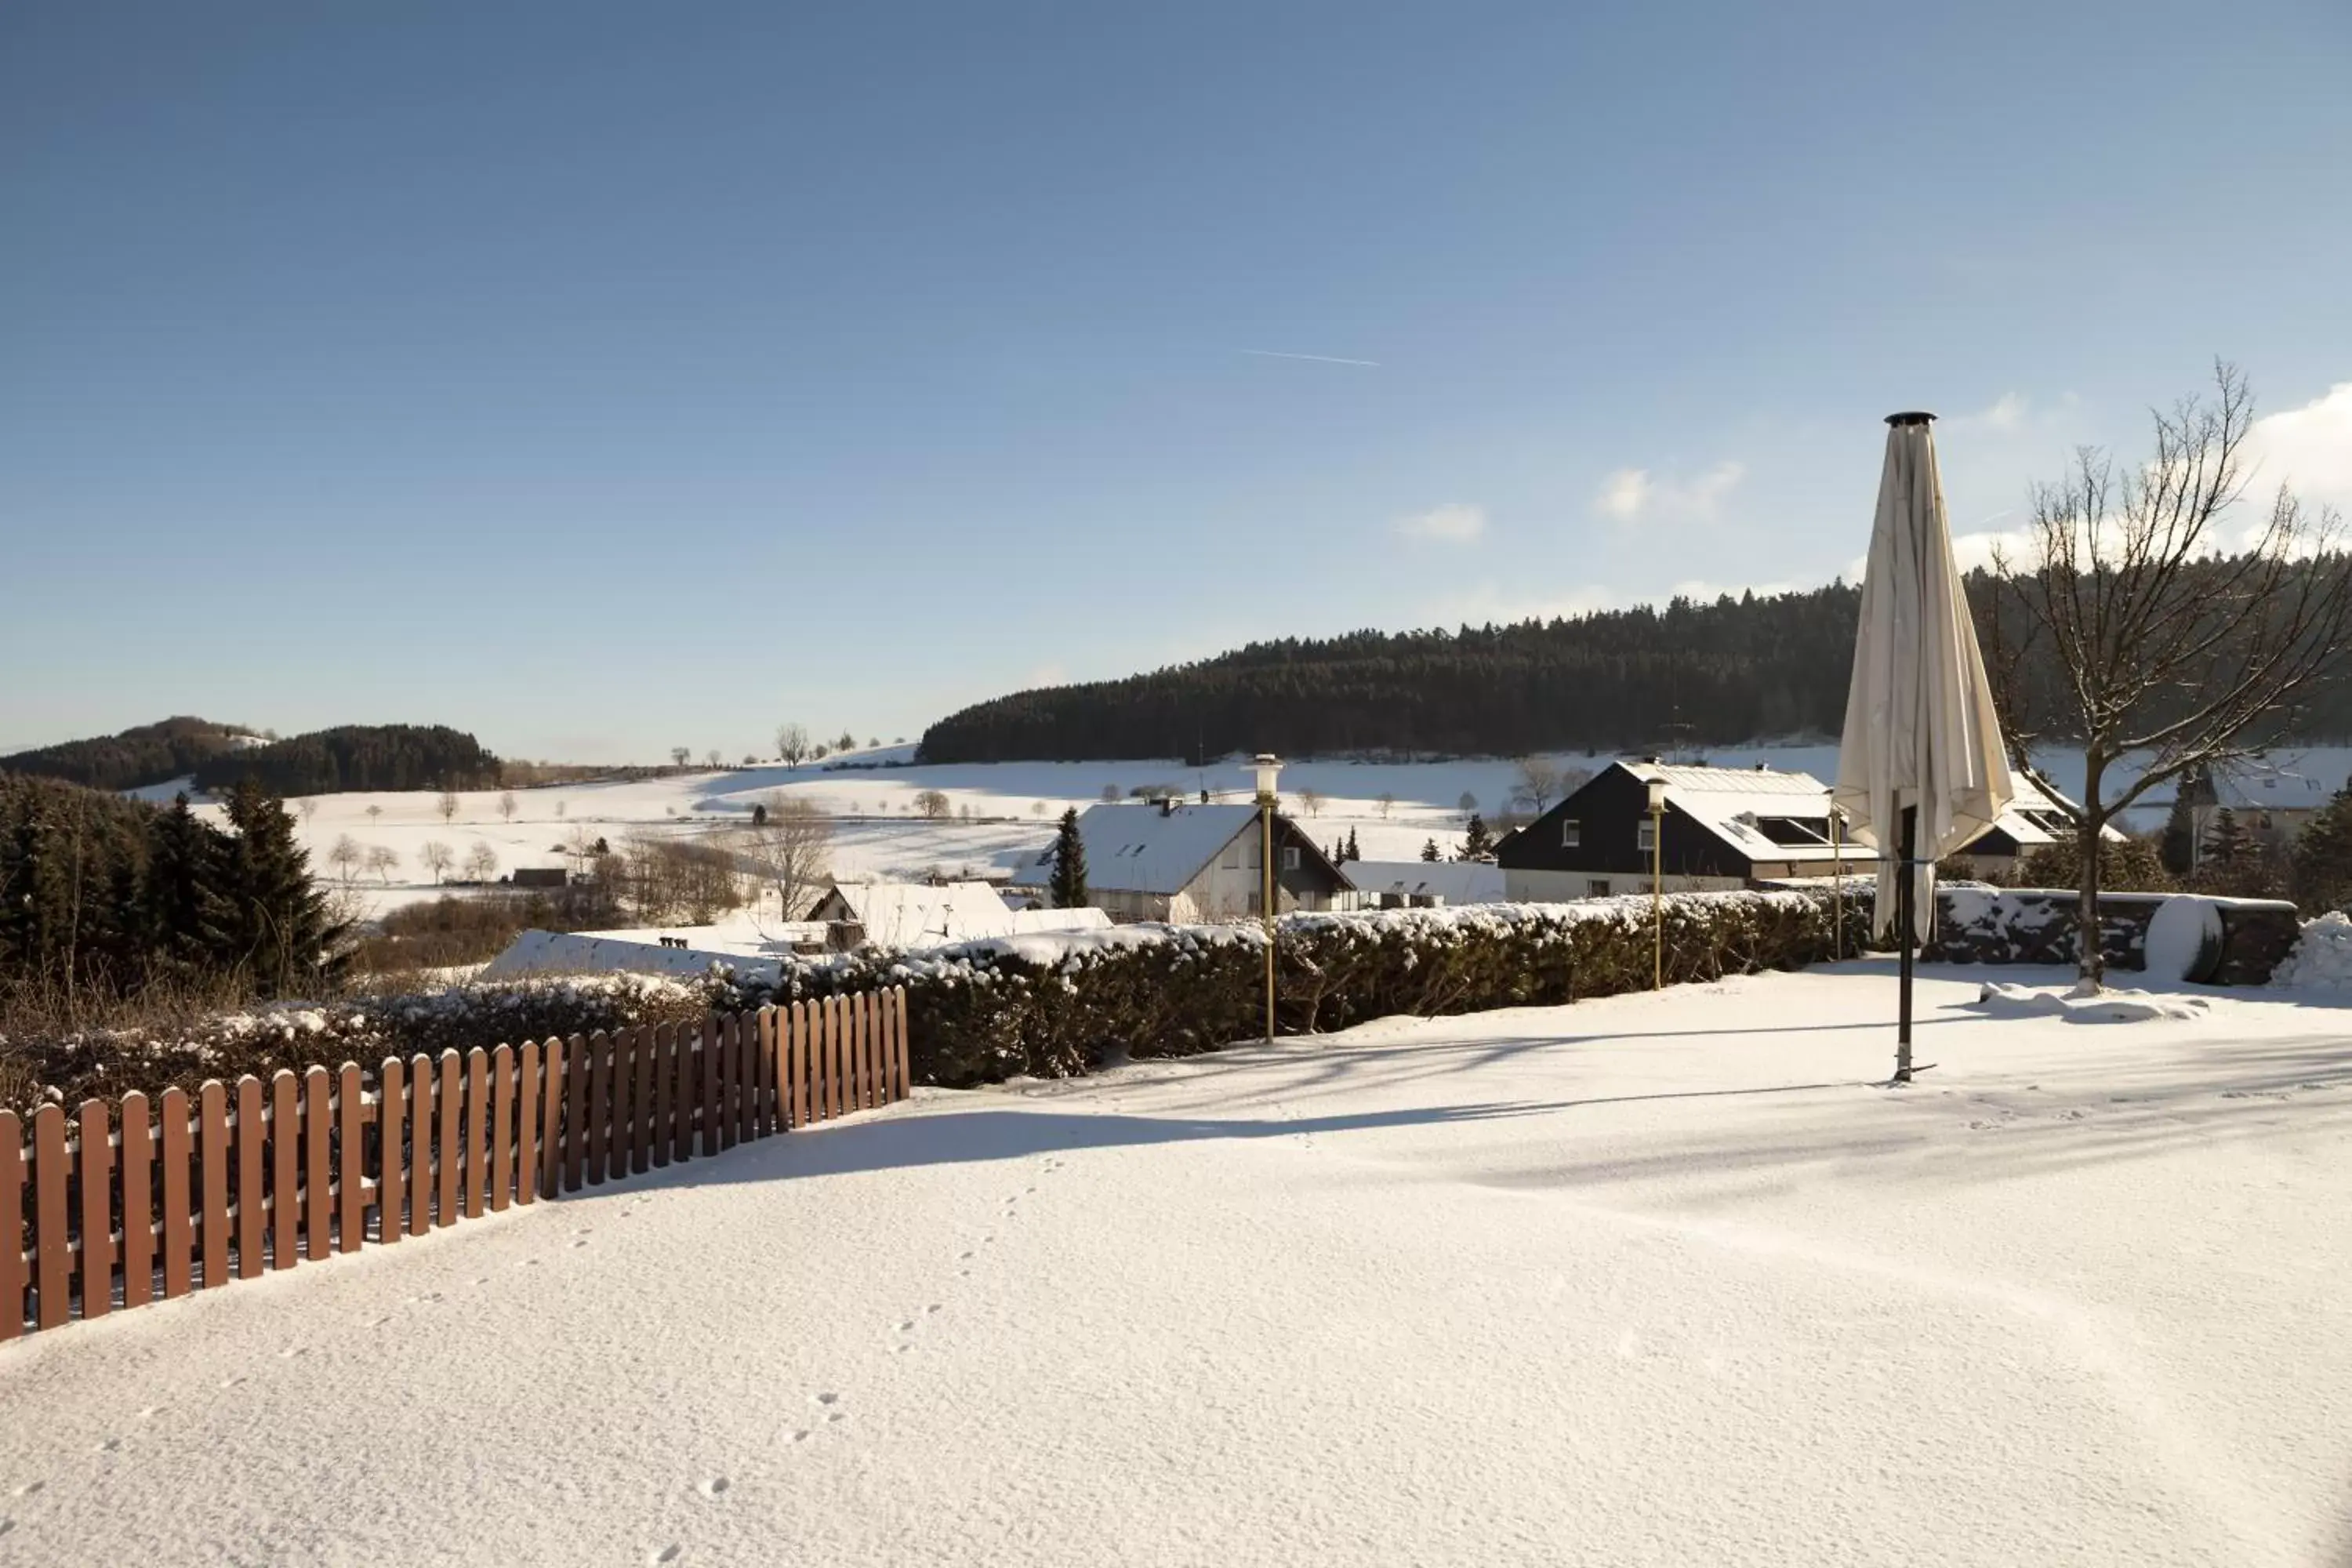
{"points": [[1572, 834]]}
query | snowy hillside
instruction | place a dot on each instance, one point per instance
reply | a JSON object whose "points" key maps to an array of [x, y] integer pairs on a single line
{"points": [[1652, 1281], [1011, 807]]}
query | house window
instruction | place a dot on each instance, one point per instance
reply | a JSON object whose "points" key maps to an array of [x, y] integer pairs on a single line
{"points": [[1572, 834], [1597, 887], [1290, 857], [1646, 836]]}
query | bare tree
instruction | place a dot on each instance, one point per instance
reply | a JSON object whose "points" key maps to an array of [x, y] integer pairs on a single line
{"points": [[2173, 644], [1467, 804], [712, 760], [1387, 803], [964, 811], [932, 804], [447, 804], [375, 813], [1036, 808], [481, 862], [680, 756], [790, 850], [560, 806], [793, 745], [1310, 801], [1110, 793], [434, 857], [1535, 783], [506, 804], [308, 806], [384, 861], [345, 855]]}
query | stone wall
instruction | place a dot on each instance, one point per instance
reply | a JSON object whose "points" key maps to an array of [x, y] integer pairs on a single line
{"points": [[2036, 925]]}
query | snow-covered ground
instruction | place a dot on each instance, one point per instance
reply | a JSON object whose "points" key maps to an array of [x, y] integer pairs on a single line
{"points": [[1013, 805], [1657, 1280]]}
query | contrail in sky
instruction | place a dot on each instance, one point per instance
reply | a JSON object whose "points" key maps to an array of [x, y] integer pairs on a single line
{"points": [[1319, 359]]}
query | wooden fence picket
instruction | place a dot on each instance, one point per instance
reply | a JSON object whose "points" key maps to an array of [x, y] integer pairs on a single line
{"points": [[528, 1090], [285, 1172], [551, 1117], [350, 1176], [711, 1077], [478, 1122], [502, 1099], [211, 1167], [451, 1167], [53, 1264], [421, 1122], [178, 1244], [138, 1164], [575, 1120], [664, 1136], [391, 1151], [252, 1160], [906, 1054], [318, 1163], [689, 1095], [97, 1211], [624, 1104], [12, 1226]]}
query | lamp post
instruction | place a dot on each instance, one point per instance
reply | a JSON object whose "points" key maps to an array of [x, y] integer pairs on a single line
{"points": [[1267, 771], [1837, 885], [1658, 883]]}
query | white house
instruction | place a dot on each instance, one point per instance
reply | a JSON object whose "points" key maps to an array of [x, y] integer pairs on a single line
{"points": [[1172, 861]]}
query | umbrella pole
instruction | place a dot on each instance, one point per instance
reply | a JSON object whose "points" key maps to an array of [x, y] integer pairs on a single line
{"points": [[1903, 896]]}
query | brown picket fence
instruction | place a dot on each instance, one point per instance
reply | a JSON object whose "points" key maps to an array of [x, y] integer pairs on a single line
{"points": [[126, 1203]]}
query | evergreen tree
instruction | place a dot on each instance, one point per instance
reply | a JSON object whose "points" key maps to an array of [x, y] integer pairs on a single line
{"points": [[2178, 847], [2228, 842], [1354, 851], [1069, 884], [1429, 850], [1477, 843], [188, 917], [2322, 857], [278, 928]]}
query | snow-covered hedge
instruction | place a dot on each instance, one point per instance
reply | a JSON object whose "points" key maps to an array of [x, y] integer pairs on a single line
{"points": [[1054, 1005], [77, 1064]]}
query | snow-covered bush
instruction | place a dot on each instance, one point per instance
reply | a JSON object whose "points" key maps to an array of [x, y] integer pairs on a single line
{"points": [[1051, 1005], [74, 1065]]}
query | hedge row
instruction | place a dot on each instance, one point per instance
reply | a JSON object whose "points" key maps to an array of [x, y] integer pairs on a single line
{"points": [[1051, 1006]]}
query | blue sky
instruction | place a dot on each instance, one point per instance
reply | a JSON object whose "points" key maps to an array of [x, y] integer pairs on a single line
{"points": [[601, 378]]}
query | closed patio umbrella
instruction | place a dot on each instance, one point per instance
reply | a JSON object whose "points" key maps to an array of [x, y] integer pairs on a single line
{"points": [[1920, 767]]}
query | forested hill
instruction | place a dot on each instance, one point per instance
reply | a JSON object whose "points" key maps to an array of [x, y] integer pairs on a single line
{"points": [[1625, 681], [1616, 680], [359, 757], [145, 754]]}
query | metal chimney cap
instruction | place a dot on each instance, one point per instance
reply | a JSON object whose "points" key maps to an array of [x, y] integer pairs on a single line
{"points": [[1915, 416]]}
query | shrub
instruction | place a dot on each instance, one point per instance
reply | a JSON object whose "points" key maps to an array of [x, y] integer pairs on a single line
{"points": [[1056, 1006]]}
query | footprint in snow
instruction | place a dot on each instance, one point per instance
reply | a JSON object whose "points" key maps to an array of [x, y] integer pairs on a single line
{"points": [[29, 1487], [152, 1412], [109, 1446], [714, 1487], [669, 1553], [290, 1351], [802, 1434], [932, 1308], [826, 1398], [907, 1326]]}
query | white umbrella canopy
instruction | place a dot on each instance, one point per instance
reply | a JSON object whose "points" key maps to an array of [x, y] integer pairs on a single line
{"points": [[1920, 728]]}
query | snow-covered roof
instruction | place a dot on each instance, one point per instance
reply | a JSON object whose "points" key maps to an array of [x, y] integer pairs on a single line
{"points": [[910, 914], [2255, 784], [1767, 814], [580, 952], [1145, 848], [1029, 922], [1455, 881]]}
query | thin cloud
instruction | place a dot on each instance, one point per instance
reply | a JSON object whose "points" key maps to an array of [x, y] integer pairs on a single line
{"points": [[2307, 449], [1318, 359], [1456, 522], [1628, 495]]}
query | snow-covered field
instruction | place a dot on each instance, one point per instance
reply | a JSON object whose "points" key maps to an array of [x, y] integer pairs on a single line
{"points": [[1657, 1280], [1012, 807]]}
